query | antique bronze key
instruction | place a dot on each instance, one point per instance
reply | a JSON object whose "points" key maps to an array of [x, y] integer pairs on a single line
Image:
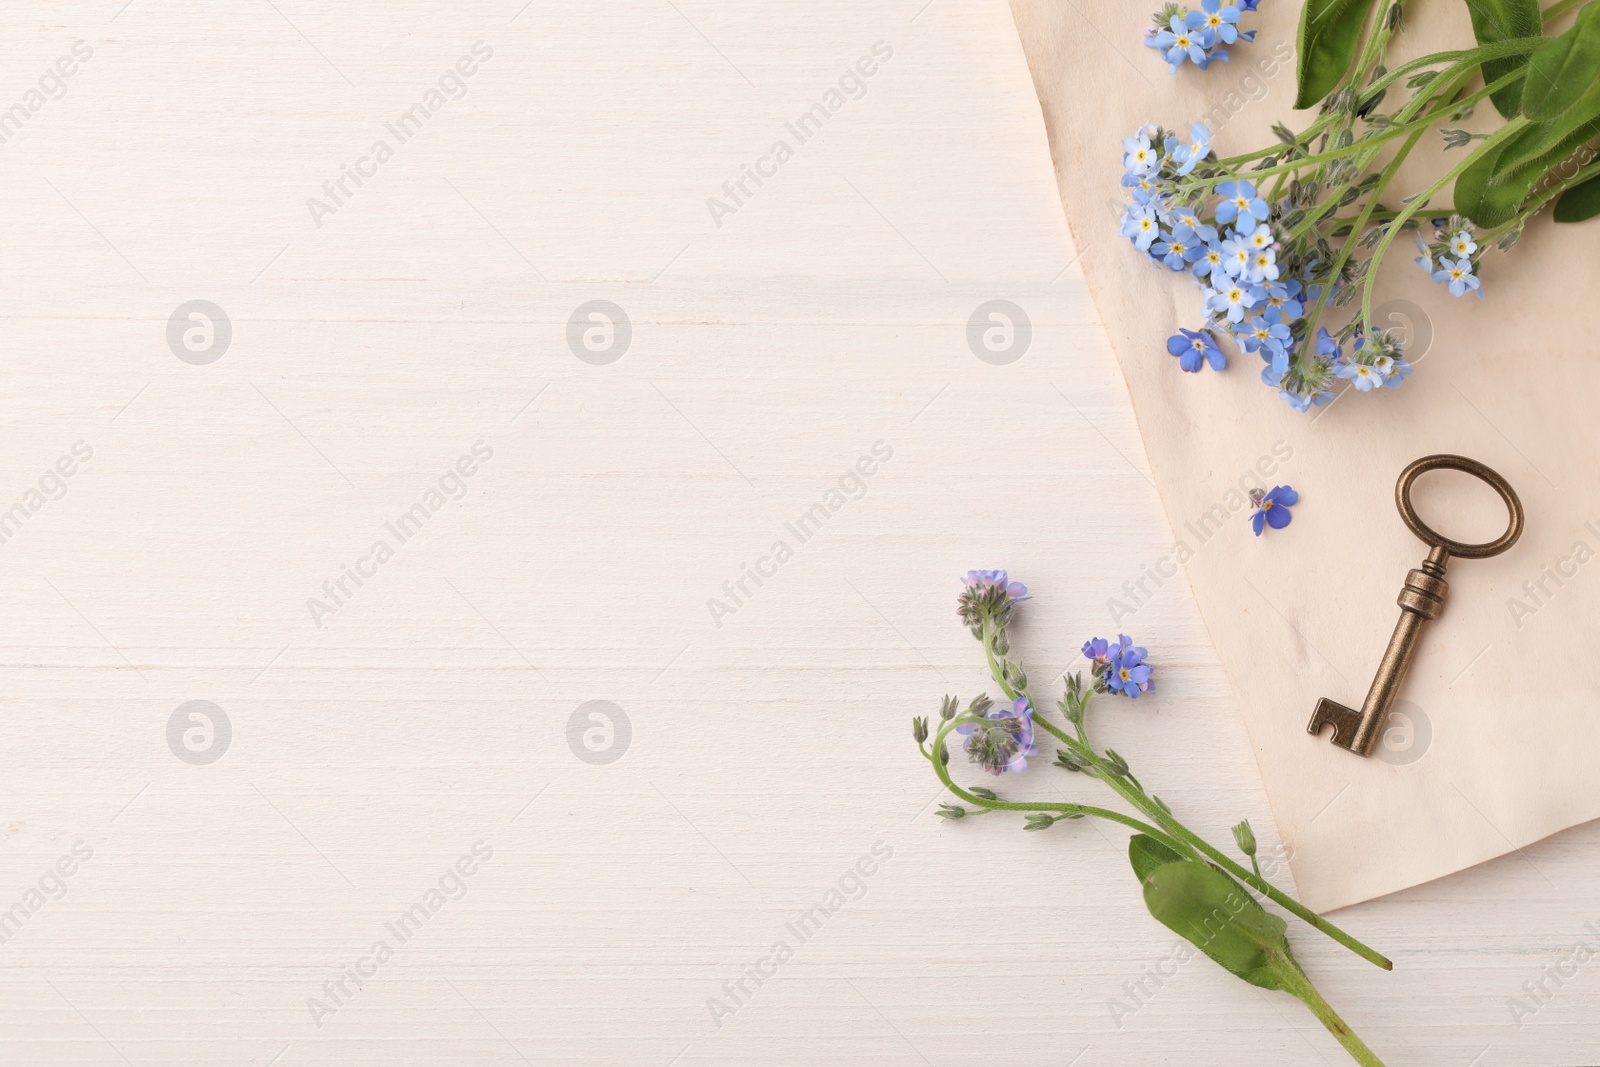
{"points": [[1421, 599]]}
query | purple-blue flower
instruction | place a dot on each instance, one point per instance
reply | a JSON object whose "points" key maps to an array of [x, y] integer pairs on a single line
{"points": [[1273, 509], [997, 579], [1327, 346], [1127, 673], [1097, 651], [1195, 348]]}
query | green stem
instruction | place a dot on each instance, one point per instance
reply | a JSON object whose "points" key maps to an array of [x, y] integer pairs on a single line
{"points": [[1461, 59], [1389, 133], [1355, 237], [1173, 833], [989, 633], [1004, 805], [1300, 986], [1510, 129], [1377, 41]]}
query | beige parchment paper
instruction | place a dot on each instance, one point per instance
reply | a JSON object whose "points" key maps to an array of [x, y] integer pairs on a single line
{"points": [[1493, 744]]}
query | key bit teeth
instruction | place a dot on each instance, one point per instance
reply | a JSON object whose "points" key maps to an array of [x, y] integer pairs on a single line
{"points": [[1344, 721]]}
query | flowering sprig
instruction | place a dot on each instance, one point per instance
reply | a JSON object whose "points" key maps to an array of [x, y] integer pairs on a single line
{"points": [[1180, 34], [1278, 239], [1190, 886], [1255, 286]]}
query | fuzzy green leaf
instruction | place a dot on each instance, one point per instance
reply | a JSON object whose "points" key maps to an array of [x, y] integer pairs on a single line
{"points": [[1329, 32], [1208, 909], [1563, 72], [1580, 202], [1495, 187], [1501, 20], [1146, 854]]}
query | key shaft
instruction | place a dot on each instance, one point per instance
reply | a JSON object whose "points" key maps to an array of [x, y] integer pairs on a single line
{"points": [[1421, 600]]}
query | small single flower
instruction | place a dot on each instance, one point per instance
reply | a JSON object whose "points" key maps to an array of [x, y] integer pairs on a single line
{"points": [[1209, 262], [1222, 20], [1327, 346], [1264, 266], [1266, 333], [1240, 204], [1277, 366], [1178, 249], [1127, 673], [1182, 40], [1458, 274], [1233, 300], [1396, 369], [1188, 156], [1140, 226], [1140, 157], [1365, 376], [1194, 348], [1425, 261], [1236, 256], [1462, 244], [1098, 652], [1272, 509], [1284, 298]]}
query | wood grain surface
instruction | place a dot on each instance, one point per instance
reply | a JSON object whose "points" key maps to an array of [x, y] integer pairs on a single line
{"points": [[398, 746]]}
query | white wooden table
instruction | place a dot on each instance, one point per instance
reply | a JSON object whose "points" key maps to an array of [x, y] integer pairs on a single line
{"points": [[233, 475]]}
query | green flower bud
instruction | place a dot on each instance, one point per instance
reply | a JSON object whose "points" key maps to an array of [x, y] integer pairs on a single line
{"points": [[951, 812], [919, 729], [1245, 838]]}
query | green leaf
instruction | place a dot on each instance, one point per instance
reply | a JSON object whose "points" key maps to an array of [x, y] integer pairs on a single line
{"points": [[1501, 20], [1146, 854], [1330, 30], [1563, 71], [1495, 187], [1208, 909], [1580, 202]]}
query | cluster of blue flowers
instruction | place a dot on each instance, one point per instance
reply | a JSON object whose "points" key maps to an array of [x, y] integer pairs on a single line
{"points": [[1120, 667], [1223, 236], [1180, 34], [1452, 258]]}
